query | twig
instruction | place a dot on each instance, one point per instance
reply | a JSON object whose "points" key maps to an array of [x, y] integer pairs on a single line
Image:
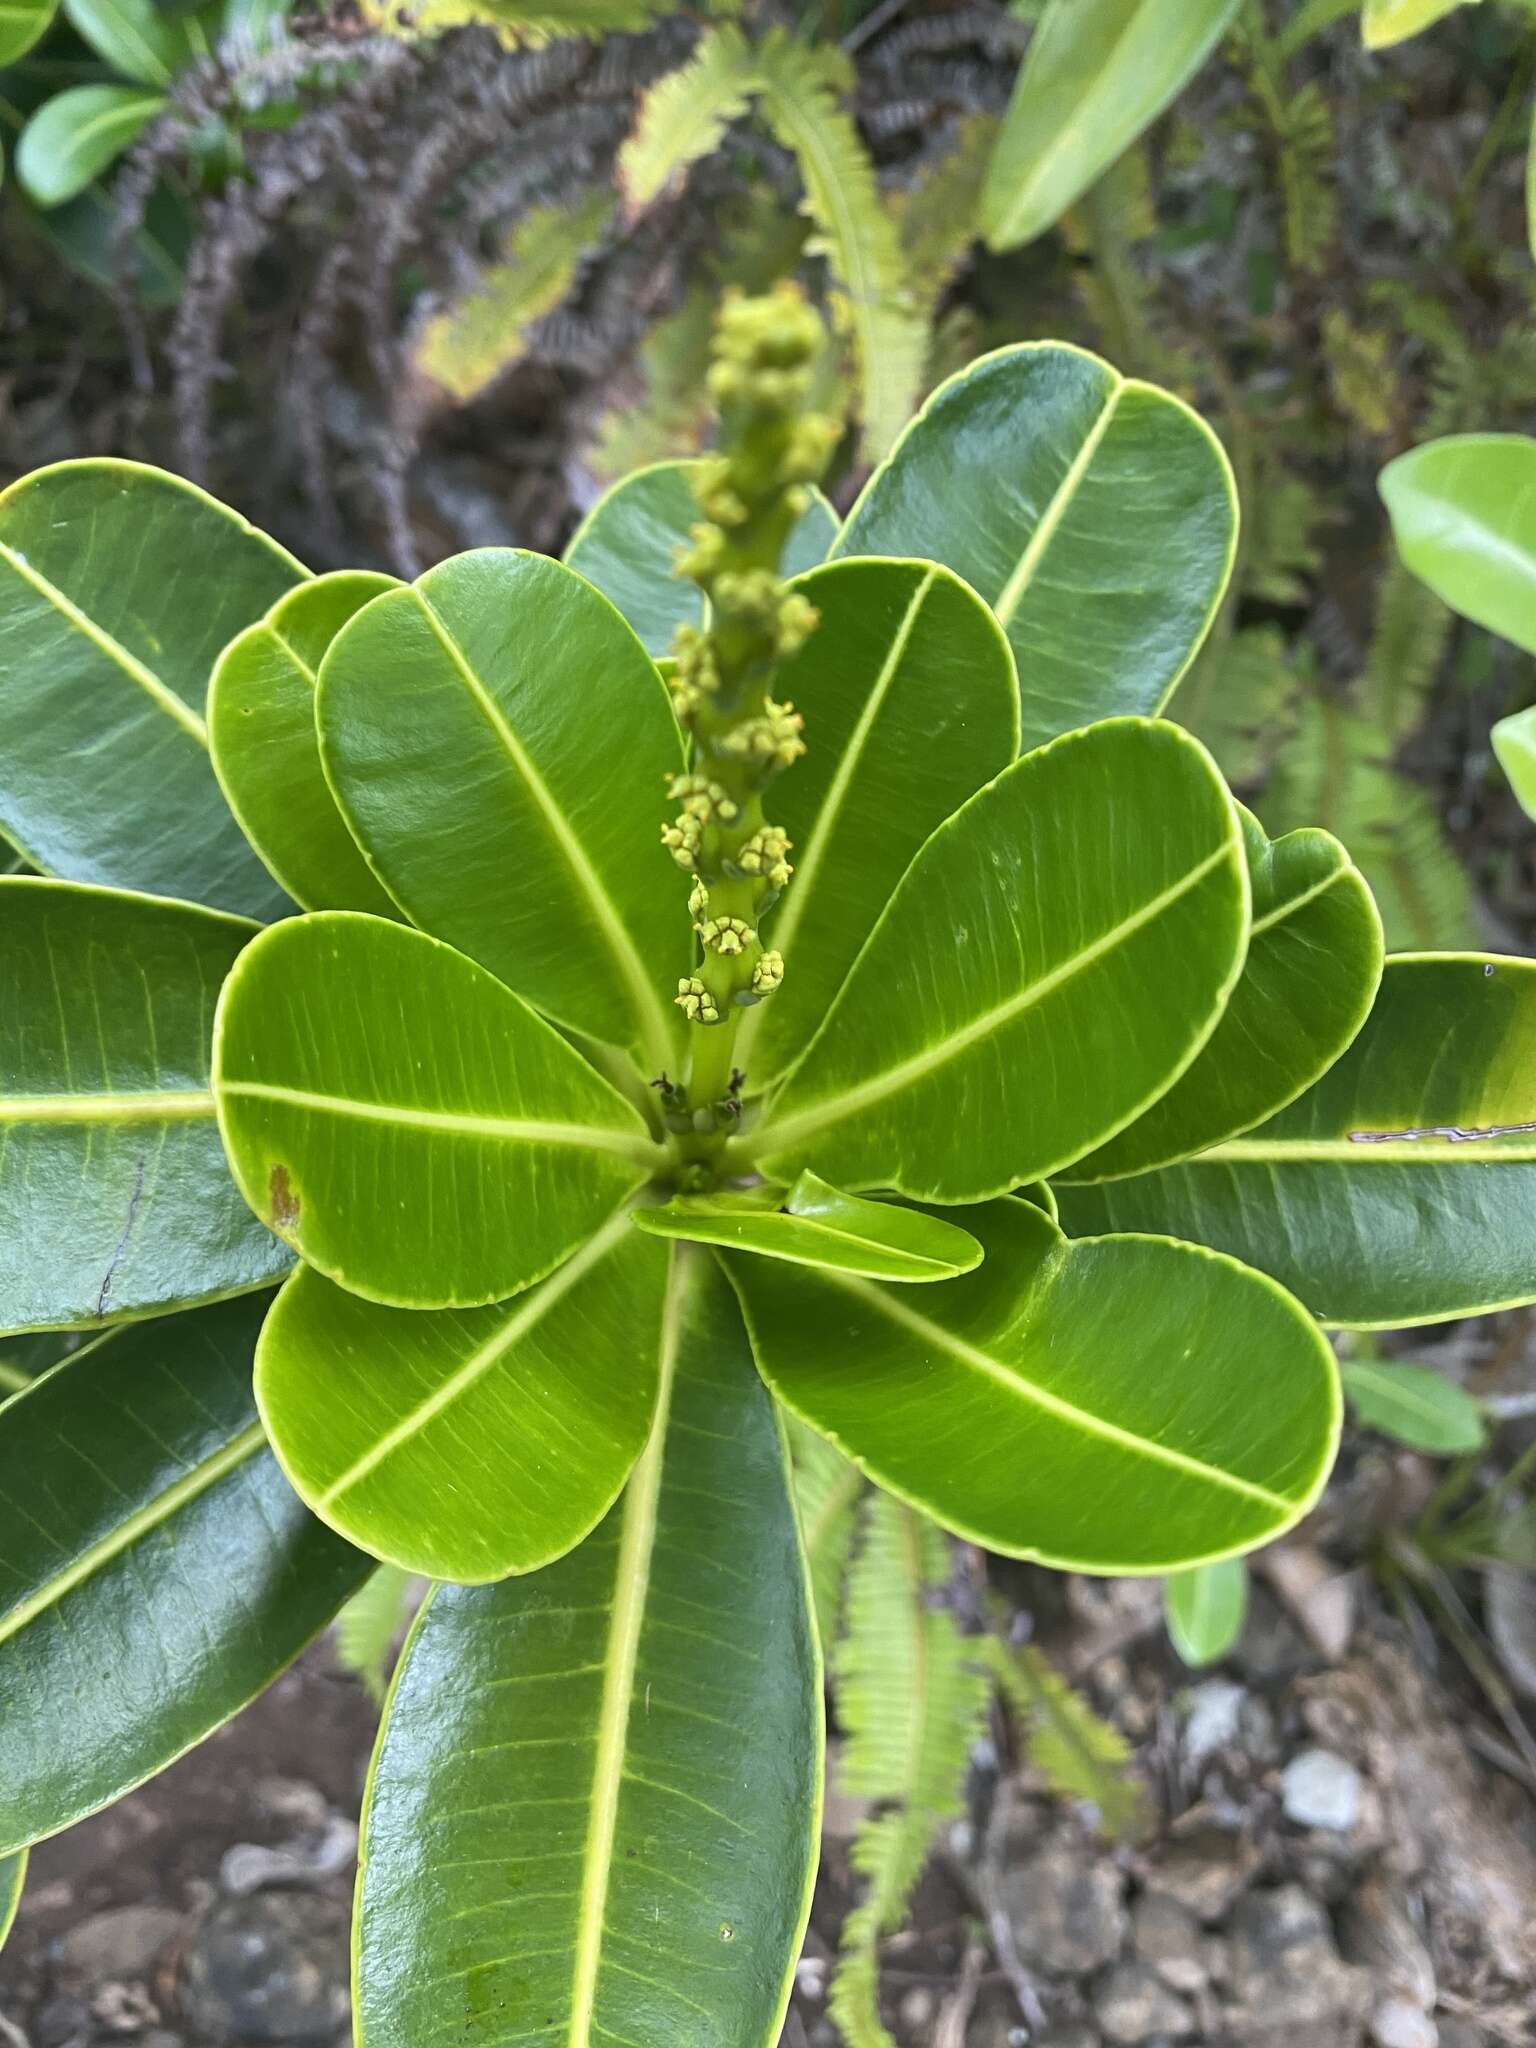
{"points": [[955, 2014]]}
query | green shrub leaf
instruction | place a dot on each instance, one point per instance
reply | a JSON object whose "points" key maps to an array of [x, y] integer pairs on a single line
{"points": [[1463, 513], [145, 42], [1384, 22], [1514, 742], [119, 587], [23, 23], [75, 135], [405, 1122], [1395, 1190], [1095, 514], [261, 728], [411, 1434], [573, 1819], [1415, 1406], [499, 742], [115, 1200], [980, 1040], [145, 1518], [13, 1875], [1073, 1403], [1206, 1608]]}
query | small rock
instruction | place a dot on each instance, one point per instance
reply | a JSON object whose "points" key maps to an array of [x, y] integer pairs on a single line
{"points": [[1321, 1790], [121, 1943], [1379, 1931], [272, 1967], [1215, 1709], [1399, 2023], [1204, 1870], [296, 1802], [61, 2022], [124, 2008], [1256, 1730], [1070, 2034], [1286, 1972], [1133, 2005], [1066, 1909], [918, 2007], [1321, 1599], [309, 1859], [1167, 1935]]}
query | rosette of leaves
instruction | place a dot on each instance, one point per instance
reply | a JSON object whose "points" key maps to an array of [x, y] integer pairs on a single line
{"points": [[444, 1193]]}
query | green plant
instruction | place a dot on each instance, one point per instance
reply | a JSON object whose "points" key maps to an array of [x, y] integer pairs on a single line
{"points": [[563, 1239]]}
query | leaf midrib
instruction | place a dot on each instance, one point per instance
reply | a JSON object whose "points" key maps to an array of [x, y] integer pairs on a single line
{"points": [[456, 1123], [139, 1106], [1012, 593], [1325, 1151]]}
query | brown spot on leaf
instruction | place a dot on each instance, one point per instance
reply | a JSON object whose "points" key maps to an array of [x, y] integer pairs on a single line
{"points": [[285, 1203]]}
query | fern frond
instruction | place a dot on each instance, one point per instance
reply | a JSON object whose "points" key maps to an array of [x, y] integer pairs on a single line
{"points": [[1280, 553], [1359, 371], [684, 115], [827, 1490], [518, 27], [936, 218], [367, 1627], [1241, 698], [1408, 643], [1075, 1749], [911, 1696]]}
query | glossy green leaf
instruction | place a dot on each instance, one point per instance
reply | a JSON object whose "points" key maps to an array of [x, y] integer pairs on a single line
{"points": [[1384, 22], [985, 1035], [1206, 1609], [1313, 966], [629, 541], [473, 1443], [119, 586], [157, 1572], [499, 743], [74, 136], [1098, 72], [406, 1123], [1514, 743], [1119, 1405], [13, 1875], [145, 42], [22, 23], [1463, 514], [1415, 1406], [820, 1226], [266, 753], [593, 1812], [1094, 513], [911, 704], [1402, 1187], [114, 1196]]}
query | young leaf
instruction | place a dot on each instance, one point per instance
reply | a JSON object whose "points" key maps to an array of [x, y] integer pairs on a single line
{"points": [[499, 742], [407, 1124], [145, 1518], [1415, 1406], [115, 1199], [571, 1816], [1095, 514], [23, 23], [1078, 1753], [1098, 72], [77, 134], [411, 1433], [119, 586], [368, 1627], [1385, 22], [13, 1875], [145, 42], [1206, 1608], [1099, 878], [1514, 743], [827, 1491], [1463, 513], [261, 729], [629, 542], [911, 704], [1401, 1188], [1072, 1403], [1313, 967], [820, 1226]]}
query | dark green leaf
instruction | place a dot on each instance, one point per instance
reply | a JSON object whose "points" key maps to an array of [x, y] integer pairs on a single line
{"points": [[1206, 1608], [821, 1226], [143, 41], [13, 1875], [74, 136], [1415, 1406]]}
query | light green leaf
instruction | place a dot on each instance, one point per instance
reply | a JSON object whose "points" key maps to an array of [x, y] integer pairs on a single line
{"points": [[115, 1200], [911, 704], [119, 586], [1096, 514], [75, 135], [146, 1519], [980, 1040], [261, 728], [1384, 22], [1076, 1404], [146, 43], [1414, 1405], [1313, 966], [368, 1629], [518, 26], [407, 1124], [23, 23], [1463, 515], [820, 1226], [629, 541], [411, 1434], [1514, 743], [1402, 1187], [685, 114], [499, 741], [1098, 72], [1080, 1755], [595, 1801], [1206, 1608], [13, 1875], [827, 1490]]}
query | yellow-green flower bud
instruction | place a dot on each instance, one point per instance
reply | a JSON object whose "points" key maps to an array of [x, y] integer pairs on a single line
{"points": [[767, 974], [763, 854], [698, 899], [727, 936], [683, 841], [696, 1002]]}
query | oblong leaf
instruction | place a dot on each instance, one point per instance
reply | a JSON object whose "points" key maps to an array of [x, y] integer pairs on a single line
{"points": [[13, 1875], [629, 542], [1463, 513], [1206, 1608], [1098, 72], [22, 23], [145, 1518], [1514, 743], [469, 1444], [76, 134], [143, 41], [593, 1808], [1384, 22], [1402, 1187], [119, 586], [1313, 967], [1414, 1405], [115, 1199], [1077, 1404], [499, 743], [1096, 514], [1099, 879], [266, 753], [911, 704], [821, 1226], [404, 1122]]}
